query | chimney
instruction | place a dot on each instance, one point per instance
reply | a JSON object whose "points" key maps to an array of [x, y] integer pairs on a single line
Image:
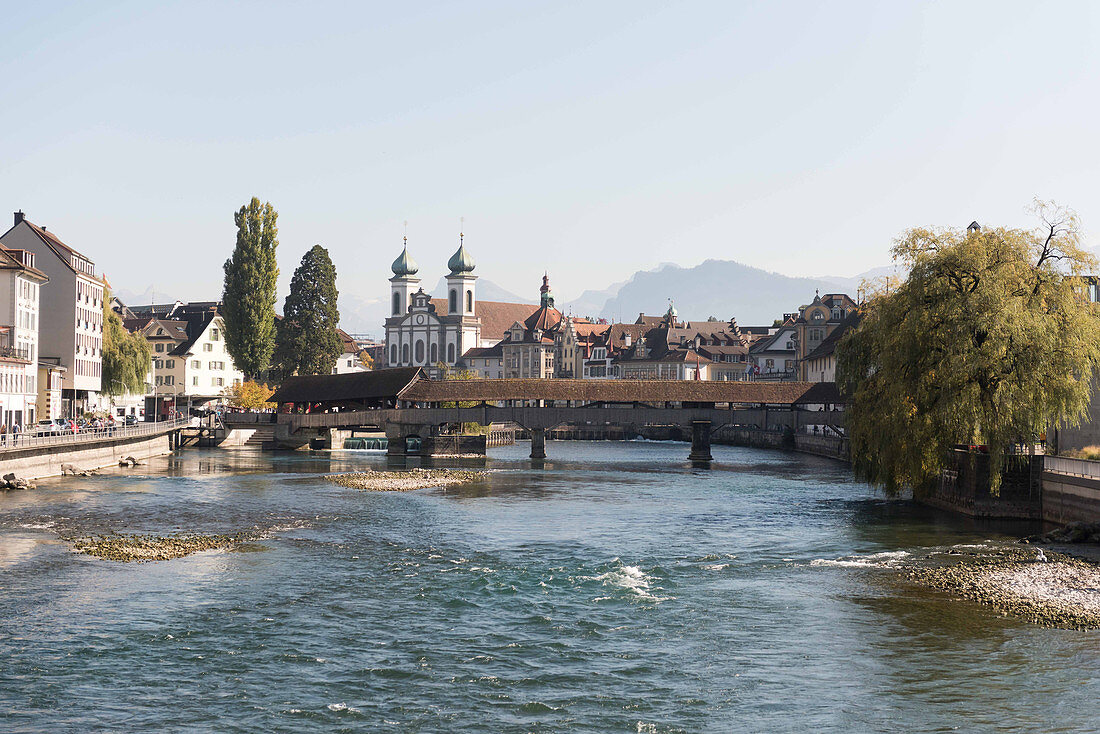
{"points": [[19, 216]]}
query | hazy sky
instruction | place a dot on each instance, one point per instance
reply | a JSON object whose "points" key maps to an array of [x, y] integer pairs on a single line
{"points": [[589, 139]]}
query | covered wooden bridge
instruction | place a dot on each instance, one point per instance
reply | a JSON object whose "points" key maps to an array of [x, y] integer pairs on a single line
{"points": [[409, 405]]}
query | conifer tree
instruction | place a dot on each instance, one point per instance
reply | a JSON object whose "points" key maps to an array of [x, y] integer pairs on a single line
{"points": [[126, 357], [307, 341], [249, 294]]}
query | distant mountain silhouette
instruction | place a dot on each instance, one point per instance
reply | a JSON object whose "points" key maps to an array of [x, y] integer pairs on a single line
{"points": [[719, 288]]}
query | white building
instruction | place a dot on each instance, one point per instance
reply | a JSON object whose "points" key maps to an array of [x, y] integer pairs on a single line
{"points": [[348, 361], [20, 289], [70, 330], [416, 333], [191, 366]]}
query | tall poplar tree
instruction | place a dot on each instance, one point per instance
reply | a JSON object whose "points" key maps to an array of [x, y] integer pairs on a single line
{"points": [[249, 294], [126, 357], [307, 342]]}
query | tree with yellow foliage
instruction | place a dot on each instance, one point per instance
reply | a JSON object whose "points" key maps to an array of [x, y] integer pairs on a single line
{"points": [[249, 395]]}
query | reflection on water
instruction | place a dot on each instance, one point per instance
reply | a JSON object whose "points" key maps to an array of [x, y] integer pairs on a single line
{"points": [[614, 587]]}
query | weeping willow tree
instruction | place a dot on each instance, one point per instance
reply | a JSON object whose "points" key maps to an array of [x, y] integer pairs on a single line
{"points": [[990, 340], [126, 357]]}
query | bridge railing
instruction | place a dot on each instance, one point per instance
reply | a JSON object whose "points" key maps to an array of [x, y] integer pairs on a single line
{"points": [[10, 442]]}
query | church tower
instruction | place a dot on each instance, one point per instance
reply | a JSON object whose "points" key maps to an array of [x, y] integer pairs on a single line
{"points": [[404, 282], [463, 326]]}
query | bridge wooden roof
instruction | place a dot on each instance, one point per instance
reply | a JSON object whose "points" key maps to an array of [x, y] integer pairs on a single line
{"points": [[623, 391], [371, 385]]}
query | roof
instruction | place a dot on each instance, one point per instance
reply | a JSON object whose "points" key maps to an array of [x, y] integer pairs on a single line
{"points": [[350, 345], [372, 385], [63, 251], [622, 391], [496, 350], [546, 318], [11, 259], [496, 317], [767, 343]]}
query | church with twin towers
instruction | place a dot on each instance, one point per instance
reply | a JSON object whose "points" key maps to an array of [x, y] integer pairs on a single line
{"points": [[434, 333]]}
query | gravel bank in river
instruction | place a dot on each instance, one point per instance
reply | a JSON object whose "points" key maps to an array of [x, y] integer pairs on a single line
{"points": [[403, 481], [1063, 591], [141, 548]]}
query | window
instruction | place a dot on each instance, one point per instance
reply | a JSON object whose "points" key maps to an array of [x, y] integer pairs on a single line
{"points": [[159, 364], [450, 354], [208, 347], [169, 363], [396, 304], [419, 351], [404, 354], [434, 350], [160, 347], [469, 301], [393, 354], [214, 336], [195, 381], [196, 364], [454, 301]]}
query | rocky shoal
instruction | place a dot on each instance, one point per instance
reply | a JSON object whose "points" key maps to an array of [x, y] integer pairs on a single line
{"points": [[403, 481], [1061, 591], [142, 548]]}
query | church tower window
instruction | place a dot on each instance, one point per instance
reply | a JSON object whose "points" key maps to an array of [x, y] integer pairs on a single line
{"points": [[454, 301], [396, 304], [469, 301]]}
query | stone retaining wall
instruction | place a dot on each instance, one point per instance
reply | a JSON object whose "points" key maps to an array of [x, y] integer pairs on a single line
{"points": [[1069, 498], [46, 461]]}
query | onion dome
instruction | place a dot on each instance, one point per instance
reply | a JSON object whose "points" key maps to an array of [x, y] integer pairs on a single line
{"points": [[404, 265], [461, 262]]}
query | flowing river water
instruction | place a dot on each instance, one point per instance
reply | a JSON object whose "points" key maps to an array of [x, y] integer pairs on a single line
{"points": [[616, 588]]}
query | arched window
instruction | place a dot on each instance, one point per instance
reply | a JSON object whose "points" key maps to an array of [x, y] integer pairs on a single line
{"points": [[435, 353], [450, 353], [469, 301], [419, 351], [404, 354], [396, 304], [454, 301], [393, 354]]}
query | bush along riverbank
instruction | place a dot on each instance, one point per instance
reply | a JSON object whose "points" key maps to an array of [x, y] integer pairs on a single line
{"points": [[404, 481], [1044, 587]]}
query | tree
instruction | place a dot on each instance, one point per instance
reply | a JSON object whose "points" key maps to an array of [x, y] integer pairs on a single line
{"points": [[990, 340], [249, 294], [126, 357], [366, 360], [249, 395], [307, 342]]}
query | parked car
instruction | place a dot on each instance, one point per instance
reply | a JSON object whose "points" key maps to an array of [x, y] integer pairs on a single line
{"points": [[46, 427], [131, 420]]}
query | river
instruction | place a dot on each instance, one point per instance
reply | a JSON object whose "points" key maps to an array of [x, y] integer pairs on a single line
{"points": [[617, 588]]}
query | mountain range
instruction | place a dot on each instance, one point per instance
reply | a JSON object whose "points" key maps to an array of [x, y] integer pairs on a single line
{"points": [[719, 288]]}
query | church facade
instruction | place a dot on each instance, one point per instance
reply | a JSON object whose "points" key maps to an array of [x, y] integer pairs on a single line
{"points": [[421, 334]]}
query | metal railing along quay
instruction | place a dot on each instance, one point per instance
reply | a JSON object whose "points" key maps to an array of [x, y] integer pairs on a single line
{"points": [[1073, 467], [20, 441]]}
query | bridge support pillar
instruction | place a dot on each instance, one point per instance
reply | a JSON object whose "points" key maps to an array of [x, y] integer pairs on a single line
{"points": [[538, 443], [700, 441]]}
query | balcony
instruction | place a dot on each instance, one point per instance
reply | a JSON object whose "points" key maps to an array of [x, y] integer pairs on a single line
{"points": [[8, 350]]}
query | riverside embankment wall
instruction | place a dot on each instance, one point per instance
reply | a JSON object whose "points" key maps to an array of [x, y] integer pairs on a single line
{"points": [[1071, 490], [46, 461]]}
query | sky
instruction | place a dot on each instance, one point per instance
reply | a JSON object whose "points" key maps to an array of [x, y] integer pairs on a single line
{"points": [[589, 140]]}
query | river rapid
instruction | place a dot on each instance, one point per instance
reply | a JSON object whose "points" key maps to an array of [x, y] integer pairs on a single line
{"points": [[615, 588]]}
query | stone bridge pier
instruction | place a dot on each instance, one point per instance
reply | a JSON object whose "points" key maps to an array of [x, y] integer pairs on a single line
{"points": [[700, 441]]}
